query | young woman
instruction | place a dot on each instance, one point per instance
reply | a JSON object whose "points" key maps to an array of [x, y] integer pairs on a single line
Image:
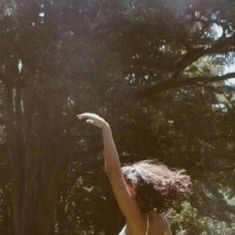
{"points": [[143, 190]]}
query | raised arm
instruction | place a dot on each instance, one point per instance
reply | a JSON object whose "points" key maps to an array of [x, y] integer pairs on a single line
{"points": [[127, 204]]}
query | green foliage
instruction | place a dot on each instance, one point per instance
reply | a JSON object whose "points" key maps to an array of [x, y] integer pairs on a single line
{"points": [[189, 221]]}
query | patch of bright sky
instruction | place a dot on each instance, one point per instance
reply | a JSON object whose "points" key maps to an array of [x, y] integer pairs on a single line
{"points": [[230, 69], [217, 33], [20, 65], [41, 14]]}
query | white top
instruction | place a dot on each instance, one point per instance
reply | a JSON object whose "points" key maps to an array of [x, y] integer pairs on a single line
{"points": [[167, 228], [124, 232]]}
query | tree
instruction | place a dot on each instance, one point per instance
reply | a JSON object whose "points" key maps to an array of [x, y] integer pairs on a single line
{"points": [[129, 61]]}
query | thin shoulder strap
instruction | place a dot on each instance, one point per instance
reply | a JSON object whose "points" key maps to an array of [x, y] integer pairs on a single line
{"points": [[147, 227], [167, 229], [163, 219]]}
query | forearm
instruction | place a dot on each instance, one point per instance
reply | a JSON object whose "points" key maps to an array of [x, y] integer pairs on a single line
{"points": [[111, 158]]}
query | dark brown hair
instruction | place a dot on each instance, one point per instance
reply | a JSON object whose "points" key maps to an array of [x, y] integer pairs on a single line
{"points": [[157, 186]]}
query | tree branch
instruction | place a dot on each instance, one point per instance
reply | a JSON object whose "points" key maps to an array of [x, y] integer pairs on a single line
{"points": [[223, 45], [176, 83]]}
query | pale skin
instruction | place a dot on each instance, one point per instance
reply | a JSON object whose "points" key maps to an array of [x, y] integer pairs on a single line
{"points": [[125, 196]]}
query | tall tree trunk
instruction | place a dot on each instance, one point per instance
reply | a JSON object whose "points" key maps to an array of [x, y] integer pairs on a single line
{"points": [[13, 159], [36, 162]]}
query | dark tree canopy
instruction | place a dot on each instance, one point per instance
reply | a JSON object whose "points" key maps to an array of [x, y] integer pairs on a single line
{"points": [[155, 69]]}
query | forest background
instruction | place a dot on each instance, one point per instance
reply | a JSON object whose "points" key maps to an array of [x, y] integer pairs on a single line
{"points": [[156, 70]]}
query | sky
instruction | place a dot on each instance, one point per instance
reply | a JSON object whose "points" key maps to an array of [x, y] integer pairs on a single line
{"points": [[230, 69]]}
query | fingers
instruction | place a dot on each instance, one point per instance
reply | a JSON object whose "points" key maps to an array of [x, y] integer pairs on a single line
{"points": [[82, 116], [86, 115], [90, 121], [92, 118]]}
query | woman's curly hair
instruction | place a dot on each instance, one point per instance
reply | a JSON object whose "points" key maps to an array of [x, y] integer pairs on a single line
{"points": [[157, 186]]}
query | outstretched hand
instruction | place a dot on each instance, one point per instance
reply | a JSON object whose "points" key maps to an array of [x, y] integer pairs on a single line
{"points": [[93, 119]]}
